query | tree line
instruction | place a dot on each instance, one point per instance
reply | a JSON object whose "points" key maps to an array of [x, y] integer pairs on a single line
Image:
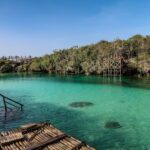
{"points": [[88, 59]]}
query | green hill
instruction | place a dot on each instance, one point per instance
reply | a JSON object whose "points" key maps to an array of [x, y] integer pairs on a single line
{"points": [[135, 53]]}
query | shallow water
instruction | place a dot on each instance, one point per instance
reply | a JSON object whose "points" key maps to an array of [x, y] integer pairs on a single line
{"points": [[48, 98]]}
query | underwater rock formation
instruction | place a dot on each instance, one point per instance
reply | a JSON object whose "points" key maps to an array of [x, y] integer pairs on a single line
{"points": [[112, 125], [80, 104]]}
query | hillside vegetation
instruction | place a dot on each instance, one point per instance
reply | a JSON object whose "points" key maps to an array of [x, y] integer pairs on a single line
{"points": [[87, 59]]}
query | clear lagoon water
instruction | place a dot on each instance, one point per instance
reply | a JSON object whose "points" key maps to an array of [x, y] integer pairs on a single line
{"points": [[48, 98]]}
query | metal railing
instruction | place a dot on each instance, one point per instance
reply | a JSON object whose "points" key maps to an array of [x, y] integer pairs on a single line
{"points": [[8, 101]]}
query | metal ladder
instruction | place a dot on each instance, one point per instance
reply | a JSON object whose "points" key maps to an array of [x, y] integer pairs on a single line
{"points": [[10, 102]]}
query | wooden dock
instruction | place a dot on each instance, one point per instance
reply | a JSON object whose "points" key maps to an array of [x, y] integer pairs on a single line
{"points": [[41, 136]]}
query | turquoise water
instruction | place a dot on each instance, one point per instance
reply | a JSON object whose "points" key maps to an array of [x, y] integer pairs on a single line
{"points": [[47, 98]]}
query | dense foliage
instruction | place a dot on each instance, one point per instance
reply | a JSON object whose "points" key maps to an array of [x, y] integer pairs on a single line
{"points": [[87, 59]]}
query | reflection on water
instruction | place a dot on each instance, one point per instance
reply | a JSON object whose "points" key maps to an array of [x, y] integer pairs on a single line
{"points": [[116, 102], [12, 114], [118, 81]]}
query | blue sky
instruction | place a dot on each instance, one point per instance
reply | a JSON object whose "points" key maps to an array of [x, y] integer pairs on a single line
{"points": [[37, 27]]}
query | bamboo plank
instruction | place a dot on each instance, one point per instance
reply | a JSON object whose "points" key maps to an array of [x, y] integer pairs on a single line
{"points": [[11, 138], [46, 137], [42, 144]]}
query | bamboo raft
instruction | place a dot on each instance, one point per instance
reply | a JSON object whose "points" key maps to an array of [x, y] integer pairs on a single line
{"points": [[41, 136]]}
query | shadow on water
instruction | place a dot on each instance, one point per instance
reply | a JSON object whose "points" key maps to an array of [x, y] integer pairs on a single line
{"points": [[97, 80], [72, 122]]}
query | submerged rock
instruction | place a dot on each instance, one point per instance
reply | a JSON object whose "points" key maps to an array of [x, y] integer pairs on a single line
{"points": [[81, 104], [112, 125]]}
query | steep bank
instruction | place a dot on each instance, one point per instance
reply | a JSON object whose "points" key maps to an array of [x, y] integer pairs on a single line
{"points": [[135, 55]]}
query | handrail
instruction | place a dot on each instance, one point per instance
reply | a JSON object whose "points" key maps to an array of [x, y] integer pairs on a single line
{"points": [[6, 99], [11, 104], [11, 99]]}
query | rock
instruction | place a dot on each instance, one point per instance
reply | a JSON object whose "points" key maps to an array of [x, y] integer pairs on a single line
{"points": [[81, 104], [6, 68], [112, 125]]}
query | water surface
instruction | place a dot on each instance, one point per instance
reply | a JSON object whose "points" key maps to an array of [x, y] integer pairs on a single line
{"points": [[48, 98]]}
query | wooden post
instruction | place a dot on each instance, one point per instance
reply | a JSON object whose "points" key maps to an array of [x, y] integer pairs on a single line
{"points": [[5, 106]]}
